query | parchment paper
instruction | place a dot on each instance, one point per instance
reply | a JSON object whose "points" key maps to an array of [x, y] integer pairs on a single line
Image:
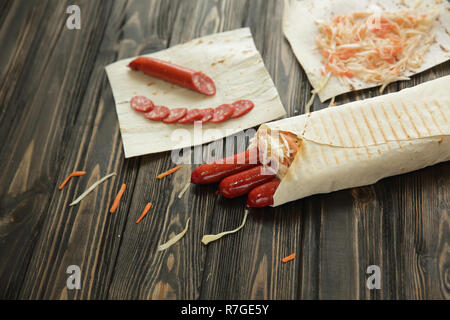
{"points": [[229, 58], [301, 31]]}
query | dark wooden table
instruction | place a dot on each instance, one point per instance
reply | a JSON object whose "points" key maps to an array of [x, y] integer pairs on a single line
{"points": [[57, 115]]}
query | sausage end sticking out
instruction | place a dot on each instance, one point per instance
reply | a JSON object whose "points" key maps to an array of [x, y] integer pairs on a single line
{"points": [[241, 183], [262, 196], [216, 171], [256, 180]]}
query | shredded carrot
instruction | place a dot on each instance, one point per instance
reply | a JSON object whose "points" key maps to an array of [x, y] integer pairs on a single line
{"points": [[144, 213], [117, 199], [288, 258], [73, 174], [162, 175]]}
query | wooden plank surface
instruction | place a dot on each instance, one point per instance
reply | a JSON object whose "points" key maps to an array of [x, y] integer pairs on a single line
{"points": [[58, 115]]}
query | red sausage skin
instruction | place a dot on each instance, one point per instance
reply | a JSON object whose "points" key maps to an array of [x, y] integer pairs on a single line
{"points": [[187, 78], [262, 196], [216, 171], [241, 183]]}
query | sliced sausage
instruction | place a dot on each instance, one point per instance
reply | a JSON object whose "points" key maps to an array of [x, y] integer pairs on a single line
{"points": [[158, 113], [222, 113], [141, 104], [175, 115], [191, 116], [241, 183], [242, 107], [187, 78], [262, 196], [207, 114]]}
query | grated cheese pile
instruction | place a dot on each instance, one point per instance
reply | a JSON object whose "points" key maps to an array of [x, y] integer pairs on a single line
{"points": [[375, 47]]}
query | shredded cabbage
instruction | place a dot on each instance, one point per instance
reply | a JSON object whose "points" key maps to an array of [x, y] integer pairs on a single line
{"points": [[375, 47], [278, 149], [91, 188], [175, 239], [213, 237]]}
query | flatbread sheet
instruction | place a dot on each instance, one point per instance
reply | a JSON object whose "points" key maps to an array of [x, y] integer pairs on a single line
{"points": [[229, 58], [300, 30], [364, 141]]}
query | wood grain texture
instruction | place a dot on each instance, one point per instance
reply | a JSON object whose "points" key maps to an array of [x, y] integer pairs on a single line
{"points": [[58, 116]]}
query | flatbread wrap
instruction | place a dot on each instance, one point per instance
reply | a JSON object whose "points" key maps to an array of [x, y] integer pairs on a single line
{"points": [[336, 148], [361, 142]]}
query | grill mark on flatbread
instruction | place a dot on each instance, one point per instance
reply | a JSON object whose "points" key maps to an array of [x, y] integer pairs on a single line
{"points": [[341, 141], [368, 127], [390, 125], [379, 126], [410, 119], [370, 130], [427, 107], [401, 123], [325, 129], [440, 110], [321, 150], [359, 132], [349, 135], [328, 136], [421, 118]]}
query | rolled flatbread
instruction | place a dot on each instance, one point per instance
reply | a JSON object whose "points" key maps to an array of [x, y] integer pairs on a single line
{"points": [[301, 30], [364, 141]]}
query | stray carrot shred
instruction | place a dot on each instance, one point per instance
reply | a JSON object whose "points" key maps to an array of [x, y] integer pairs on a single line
{"points": [[115, 204], [288, 258], [73, 174], [162, 175], [144, 213]]}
